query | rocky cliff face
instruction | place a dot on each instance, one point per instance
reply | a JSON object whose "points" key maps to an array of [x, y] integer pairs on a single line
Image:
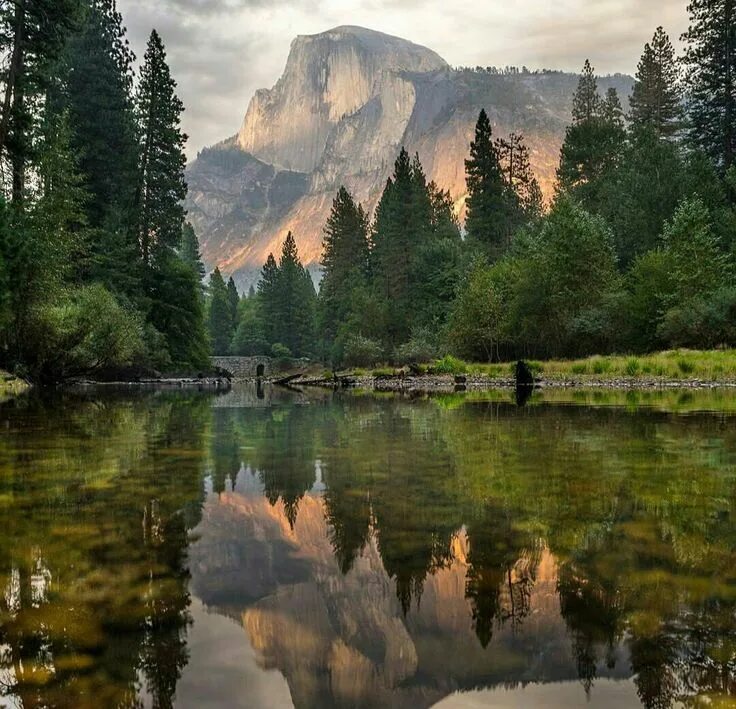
{"points": [[347, 102]]}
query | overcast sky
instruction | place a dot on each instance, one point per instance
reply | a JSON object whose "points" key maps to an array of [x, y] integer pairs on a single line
{"points": [[221, 51]]}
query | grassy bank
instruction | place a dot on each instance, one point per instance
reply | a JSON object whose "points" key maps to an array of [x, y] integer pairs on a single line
{"points": [[713, 365], [11, 386], [673, 365]]}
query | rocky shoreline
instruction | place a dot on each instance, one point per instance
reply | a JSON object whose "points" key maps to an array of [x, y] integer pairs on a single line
{"points": [[447, 383]]}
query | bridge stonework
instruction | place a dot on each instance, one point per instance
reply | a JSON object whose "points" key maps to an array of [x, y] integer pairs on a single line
{"points": [[244, 367]]}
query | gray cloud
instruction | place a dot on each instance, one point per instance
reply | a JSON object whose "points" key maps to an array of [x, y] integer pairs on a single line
{"points": [[221, 51]]}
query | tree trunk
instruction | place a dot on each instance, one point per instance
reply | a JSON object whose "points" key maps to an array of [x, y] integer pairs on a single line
{"points": [[14, 71]]}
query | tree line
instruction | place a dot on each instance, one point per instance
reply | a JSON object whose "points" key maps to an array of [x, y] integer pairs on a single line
{"points": [[634, 253], [97, 270]]}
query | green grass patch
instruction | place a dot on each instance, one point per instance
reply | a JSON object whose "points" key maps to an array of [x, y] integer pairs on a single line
{"points": [[678, 365], [450, 365]]}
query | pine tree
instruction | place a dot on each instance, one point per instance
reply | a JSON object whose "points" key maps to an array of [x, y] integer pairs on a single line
{"points": [[161, 186], [525, 193], [656, 102], [345, 256], [401, 223], [611, 110], [219, 317], [32, 35], [488, 209], [98, 86], [593, 143], [96, 91], [179, 314], [233, 298], [268, 287], [189, 251], [586, 102], [710, 59], [296, 301]]}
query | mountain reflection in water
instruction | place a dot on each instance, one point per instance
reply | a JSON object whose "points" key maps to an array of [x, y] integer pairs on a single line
{"points": [[180, 549]]}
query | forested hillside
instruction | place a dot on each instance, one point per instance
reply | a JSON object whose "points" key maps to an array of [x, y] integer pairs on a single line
{"points": [[634, 252], [93, 272]]}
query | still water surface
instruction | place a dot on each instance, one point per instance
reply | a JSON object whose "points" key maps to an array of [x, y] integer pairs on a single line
{"points": [[277, 549]]}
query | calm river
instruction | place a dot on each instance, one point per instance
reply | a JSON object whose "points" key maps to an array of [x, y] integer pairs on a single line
{"points": [[274, 549]]}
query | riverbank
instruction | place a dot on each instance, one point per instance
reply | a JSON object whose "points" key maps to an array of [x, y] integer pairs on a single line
{"points": [[11, 386], [675, 369]]}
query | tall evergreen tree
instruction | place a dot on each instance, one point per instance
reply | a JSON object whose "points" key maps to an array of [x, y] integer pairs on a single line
{"points": [[525, 193], [611, 110], [189, 251], [488, 209], [97, 69], [233, 298], [32, 35], [219, 317], [710, 59], [593, 142], [345, 256], [586, 103], [656, 102], [296, 301], [268, 287], [161, 186]]}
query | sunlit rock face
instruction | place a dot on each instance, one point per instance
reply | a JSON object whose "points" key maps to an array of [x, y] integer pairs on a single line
{"points": [[328, 78], [348, 100]]}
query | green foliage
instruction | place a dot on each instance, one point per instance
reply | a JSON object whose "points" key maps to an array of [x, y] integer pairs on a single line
{"points": [[281, 352], [97, 95], [450, 365], [422, 347], [178, 312], [710, 61], [86, 330], [284, 309], [189, 251], [491, 205], [345, 264], [593, 142], [478, 322], [162, 187], [248, 340], [361, 351], [565, 290]]}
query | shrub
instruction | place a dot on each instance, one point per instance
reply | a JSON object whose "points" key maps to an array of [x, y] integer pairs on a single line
{"points": [[632, 368], [419, 349], [601, 366], [279, 351], [87, 330], [450, 365], [361, 351]]}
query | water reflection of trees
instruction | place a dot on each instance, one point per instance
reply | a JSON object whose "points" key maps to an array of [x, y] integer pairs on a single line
{"points": [[635, 507], [97, 500]]}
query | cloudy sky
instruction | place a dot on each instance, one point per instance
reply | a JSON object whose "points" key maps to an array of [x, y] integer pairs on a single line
{"points": [[221, 51]]}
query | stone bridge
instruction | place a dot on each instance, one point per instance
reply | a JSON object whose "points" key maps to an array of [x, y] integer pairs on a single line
{"points": [[244, 367]]}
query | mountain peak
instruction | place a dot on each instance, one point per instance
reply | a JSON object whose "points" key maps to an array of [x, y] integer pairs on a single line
{"points": [[329, 76], [376, 41]]}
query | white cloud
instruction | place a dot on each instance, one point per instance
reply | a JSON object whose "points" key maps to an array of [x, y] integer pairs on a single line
{"points": [[221, 51]]}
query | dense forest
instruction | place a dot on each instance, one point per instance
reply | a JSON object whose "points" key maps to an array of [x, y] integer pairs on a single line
{"points": [[99, 269], [635, 252]]}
